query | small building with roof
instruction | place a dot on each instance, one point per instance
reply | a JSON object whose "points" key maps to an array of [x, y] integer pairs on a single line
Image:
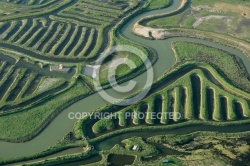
{"points": [[136, 148], [59, 68]]}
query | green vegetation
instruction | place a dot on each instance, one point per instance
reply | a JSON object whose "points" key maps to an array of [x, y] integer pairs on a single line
{"points": [[122, 70], [229, 65], [178, 107], [196, 79], [157, 4], [54, 39], [172, 21], [146, 149], [204, 87], [226, 145], [214, 16], [136, 117], [122, 119], [77, 31], [103, 125], [212, 2], [17, 11], [27, 2], [47, 42], [233, 142], [165, 108], [38, 116], [19, 85]]}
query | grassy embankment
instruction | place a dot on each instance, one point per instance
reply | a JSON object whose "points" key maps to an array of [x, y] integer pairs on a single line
{"points": [[203, 111], [193, 52]]}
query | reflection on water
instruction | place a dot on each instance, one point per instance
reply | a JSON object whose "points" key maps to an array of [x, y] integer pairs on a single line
{"points": [[120, 160], [92, 159]]}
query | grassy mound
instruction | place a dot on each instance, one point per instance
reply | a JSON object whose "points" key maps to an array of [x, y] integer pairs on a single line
{"points": [[200, 94]]}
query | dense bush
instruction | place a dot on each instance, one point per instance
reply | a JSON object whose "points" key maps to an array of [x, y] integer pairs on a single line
{"points": [[102, 125]]}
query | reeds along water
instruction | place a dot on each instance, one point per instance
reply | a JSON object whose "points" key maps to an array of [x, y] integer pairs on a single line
{"points": [[9, 29], [3, 68], [18, 89], [4, 26], [66, 35], [19, 74]]}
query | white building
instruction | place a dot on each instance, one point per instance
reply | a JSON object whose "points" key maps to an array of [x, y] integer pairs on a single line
{"points": [[136, 148]]}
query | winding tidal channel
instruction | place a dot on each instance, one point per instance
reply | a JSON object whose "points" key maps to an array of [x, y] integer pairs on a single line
{"points": [[61, 125]]}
